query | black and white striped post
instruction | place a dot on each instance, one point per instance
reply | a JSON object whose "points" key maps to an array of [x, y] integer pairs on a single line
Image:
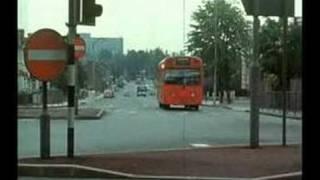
{"points": [[71, 74]]}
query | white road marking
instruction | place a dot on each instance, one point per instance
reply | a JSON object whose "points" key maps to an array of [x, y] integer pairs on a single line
{"points": [[200, 145]]}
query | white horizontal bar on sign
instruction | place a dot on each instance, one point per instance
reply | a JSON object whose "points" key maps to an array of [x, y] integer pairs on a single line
{"points": [[79, 48], [47, 55]]}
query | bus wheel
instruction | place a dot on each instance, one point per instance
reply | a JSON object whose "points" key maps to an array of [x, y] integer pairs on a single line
{"points": [[196, 107], [160, 105]]}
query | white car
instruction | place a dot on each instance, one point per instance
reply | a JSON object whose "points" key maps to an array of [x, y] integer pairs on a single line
{"points": [[142, 90]]}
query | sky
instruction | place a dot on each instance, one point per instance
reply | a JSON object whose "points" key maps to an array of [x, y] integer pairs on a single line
{"points": [[143, 24]]}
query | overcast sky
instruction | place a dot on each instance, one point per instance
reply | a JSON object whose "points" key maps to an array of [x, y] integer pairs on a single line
{"points": [[144, 24]]}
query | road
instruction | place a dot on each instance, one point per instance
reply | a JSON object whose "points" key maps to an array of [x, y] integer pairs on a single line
{"points": [[138, 124]]}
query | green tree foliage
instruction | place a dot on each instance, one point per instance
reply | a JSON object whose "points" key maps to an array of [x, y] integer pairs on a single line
{"points": [[271, 50], [107, 65], [218, 22]]}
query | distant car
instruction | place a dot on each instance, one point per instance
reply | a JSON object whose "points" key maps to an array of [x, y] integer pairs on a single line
{"points": [[108, 93], [142, 90]]}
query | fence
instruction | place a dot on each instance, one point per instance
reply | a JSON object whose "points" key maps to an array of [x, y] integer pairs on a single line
{"points": [[273, 100]]}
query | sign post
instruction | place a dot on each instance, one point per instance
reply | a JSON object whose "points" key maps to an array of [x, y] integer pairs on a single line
{"points": [[79, 52], [45, 58]]}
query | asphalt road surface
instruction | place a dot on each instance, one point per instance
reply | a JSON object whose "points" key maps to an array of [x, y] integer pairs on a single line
{"points": [[134, 123]]}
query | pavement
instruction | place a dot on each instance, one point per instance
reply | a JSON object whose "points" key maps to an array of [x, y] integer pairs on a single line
{"points": [[60, 113], [60, 110], [242, 162], [243, 105]]}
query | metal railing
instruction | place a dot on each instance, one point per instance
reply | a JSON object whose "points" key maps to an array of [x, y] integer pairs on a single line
{"points": [[272, 100]]}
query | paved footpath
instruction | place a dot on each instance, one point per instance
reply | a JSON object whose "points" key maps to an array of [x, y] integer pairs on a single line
{"points": [[60, 111], [234, 162], [243, 105]]}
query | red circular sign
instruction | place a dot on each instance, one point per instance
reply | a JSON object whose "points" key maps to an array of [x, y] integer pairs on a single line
{"points": [[79, 48], [45, 54]]}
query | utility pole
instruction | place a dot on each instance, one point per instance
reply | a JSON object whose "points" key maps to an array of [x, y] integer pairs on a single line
{"points": [[71, 73]]}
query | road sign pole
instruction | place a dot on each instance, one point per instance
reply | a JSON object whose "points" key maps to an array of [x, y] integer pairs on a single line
{"points": [[79, 45], [76, 87], [71, 81], [254, 83], [44, 125]]}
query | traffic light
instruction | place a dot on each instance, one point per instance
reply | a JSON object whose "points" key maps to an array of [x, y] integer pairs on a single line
{"points": [[88, 11]]}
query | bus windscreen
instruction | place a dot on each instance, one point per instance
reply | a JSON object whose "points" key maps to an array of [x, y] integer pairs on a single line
{"points": [[182, 77]]}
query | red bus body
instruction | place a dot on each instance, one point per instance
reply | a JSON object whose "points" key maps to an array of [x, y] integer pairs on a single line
{"points": [[180, 81]]}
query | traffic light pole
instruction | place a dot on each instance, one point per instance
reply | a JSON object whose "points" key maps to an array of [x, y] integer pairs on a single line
{"points": [[71, 74], [284, 73], [254, 83]]}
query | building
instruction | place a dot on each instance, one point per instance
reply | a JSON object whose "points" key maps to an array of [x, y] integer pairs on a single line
{"points": [[25, 82], [23, 76], [94, 45]]}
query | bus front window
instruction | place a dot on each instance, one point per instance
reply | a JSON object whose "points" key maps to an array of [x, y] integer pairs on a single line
{"points": [[182, 77]]}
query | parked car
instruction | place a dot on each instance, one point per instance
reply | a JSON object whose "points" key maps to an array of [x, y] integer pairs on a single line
{"points": [[142, 90], [108, 93]]}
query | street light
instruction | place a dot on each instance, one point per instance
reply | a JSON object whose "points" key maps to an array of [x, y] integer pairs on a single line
{"points": [[215, 56], [183, 33]]}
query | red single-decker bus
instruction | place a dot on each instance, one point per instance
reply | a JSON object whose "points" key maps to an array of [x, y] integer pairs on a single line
{"points": [[180, 82]]}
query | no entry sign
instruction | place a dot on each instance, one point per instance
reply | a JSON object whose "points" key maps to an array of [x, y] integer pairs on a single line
{"points": [[79, 48], [45, 54]]}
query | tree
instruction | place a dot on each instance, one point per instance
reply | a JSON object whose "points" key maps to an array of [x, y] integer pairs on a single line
{"points": [[218, 22], [271, 51]]}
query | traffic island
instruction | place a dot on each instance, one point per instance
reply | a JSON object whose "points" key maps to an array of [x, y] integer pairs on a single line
{"points": [[202, 163], [61, 113]]}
